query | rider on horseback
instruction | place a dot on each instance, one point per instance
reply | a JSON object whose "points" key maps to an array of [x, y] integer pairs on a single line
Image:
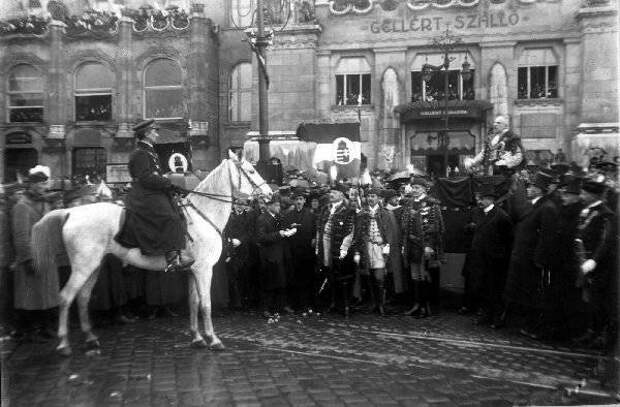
{"points": [[154, 222]]}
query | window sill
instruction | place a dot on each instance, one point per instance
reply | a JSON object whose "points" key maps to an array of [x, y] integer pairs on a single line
{"points": [[86, 123], [539, 102], [238, 124], [353, 108]]}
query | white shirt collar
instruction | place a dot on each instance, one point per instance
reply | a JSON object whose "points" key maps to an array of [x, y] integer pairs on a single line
{"points": [[391, 207], [334, 206], [536, 200], [489, 208]]}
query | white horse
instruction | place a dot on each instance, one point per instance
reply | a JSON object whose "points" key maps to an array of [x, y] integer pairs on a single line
{"points": [[87, 233]]}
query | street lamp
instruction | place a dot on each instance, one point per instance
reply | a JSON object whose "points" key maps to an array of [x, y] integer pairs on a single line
{"points": [[265, 14], [445, 43]]}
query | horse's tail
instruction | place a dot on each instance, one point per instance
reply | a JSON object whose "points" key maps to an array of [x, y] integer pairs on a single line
{"points": [[46, 241]]}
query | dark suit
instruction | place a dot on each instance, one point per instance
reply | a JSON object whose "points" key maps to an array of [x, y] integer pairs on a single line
{"points": [[534, 251], [238, 227], [272, 260], [489, 255], [301, 270], [153, 222]]}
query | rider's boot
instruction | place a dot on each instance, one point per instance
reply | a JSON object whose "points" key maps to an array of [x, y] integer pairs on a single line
{"points": [[177, 262]]}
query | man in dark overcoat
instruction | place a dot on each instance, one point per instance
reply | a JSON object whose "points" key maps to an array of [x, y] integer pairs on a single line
{"points": [[301, 245], [334, 238], [273, 254], [236, 244], [534, 254], [36, 292], [490, 252], [597, 259], [153, 222]]}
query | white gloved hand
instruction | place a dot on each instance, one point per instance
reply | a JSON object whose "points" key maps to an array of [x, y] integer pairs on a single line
{"points": [[292, 231], [356, 258], [343, 254], [587, 266], [428, 251], [386, 249], [236, 242]]}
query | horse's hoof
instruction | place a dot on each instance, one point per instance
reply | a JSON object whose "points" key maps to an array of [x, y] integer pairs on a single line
{"points": [[64, 351], [218, 346], [198, 344]]}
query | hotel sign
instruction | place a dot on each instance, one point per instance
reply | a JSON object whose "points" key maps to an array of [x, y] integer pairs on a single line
{"points": [[471, 21]]}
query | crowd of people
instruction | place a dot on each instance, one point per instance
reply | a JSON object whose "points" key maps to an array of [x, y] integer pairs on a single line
{"points": [[542, 254]]}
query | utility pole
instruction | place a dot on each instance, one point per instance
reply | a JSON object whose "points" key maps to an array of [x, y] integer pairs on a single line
{"points": [[260, 45]]}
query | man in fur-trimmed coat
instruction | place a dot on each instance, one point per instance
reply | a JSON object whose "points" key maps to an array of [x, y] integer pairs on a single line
{"points": [[334, 238], [372, 231]]}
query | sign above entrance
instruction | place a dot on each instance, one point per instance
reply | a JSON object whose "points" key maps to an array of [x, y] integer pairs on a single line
{"points": [[465, 22], [469, 109], [19, 138]]}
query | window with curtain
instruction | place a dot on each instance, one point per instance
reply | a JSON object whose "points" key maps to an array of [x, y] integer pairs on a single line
{"points": [[537, 74], [25, 94], [94, 83], [241, 12], [163, 90], [353, 81], [240, 100]]}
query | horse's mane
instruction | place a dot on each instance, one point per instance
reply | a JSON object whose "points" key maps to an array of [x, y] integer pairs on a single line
{"points": [[213, 181]]}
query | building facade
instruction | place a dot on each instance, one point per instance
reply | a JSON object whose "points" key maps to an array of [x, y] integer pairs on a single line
{"points": [[77, 76]]}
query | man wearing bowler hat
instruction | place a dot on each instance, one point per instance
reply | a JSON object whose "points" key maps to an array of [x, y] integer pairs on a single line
{"points": [[154, 223]]}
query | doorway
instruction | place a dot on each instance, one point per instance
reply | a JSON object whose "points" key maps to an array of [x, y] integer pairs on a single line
{"points": [[18, 161]]}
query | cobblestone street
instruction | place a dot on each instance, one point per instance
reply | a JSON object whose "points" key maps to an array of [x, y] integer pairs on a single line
{"points": [[303, 361]]}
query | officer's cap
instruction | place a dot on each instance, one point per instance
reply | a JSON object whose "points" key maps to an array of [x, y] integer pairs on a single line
{"points": [[141, 127]]}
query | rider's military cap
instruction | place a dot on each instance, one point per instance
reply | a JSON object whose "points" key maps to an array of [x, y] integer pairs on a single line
{"points": [[143, 125]]}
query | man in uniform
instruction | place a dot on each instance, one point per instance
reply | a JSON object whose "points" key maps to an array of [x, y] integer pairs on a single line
{"points": [[154, 222], [237, 243]]}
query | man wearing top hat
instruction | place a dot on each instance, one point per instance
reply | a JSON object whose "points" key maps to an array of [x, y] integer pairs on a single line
{"points": [[301, 245], [489, 254], [534, 255], [153, 223], [597, 256]]}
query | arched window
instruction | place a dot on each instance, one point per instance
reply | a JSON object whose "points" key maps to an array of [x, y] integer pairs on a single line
{"points": [[241, 12], [93, 87], [163, 90], [25, 89], [353, 82], [538, 74], [240, 100]]}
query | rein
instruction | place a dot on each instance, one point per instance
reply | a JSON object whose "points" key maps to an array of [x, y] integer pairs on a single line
{"points": [[221, 197]]}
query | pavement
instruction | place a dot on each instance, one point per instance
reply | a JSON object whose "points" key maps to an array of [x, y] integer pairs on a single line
{"points": [[304, 360]]}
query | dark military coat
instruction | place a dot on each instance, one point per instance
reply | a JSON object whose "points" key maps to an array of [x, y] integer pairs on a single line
{"points": [[238, 227], [154, 223], [342, 225], [423, 226], [300, 245], [362, 232]]}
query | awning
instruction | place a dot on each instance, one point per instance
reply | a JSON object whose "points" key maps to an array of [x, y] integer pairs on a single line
{"points": [[603, 137], [466, 109], [328, 132]]}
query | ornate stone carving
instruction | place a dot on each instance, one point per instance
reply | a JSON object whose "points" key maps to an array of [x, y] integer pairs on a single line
{"points": [[30, 25], [148, 19], [92, 24]]}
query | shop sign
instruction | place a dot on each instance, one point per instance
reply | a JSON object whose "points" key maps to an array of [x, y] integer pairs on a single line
{"points": [[473, 21], [18, 138]]}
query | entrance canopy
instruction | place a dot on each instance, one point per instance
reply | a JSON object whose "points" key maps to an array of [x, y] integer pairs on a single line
{"points": [[462, 109], [593, 137]]}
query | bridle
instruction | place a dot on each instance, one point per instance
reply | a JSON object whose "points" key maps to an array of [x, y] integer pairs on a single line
{"points": [[221, 197]]}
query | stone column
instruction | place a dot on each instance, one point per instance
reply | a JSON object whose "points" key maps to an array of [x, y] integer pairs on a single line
{"points": [[124, 55], [202, 82], [54, 153]]}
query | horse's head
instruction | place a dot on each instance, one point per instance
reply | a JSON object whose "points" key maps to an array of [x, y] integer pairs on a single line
{"points": [[249, 180]]}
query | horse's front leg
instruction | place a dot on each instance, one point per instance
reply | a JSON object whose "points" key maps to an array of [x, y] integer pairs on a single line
{"points": [[204, 283], [197, 339]]}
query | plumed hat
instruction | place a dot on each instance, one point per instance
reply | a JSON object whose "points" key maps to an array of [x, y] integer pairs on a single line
{"points": [[39, 173]]}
